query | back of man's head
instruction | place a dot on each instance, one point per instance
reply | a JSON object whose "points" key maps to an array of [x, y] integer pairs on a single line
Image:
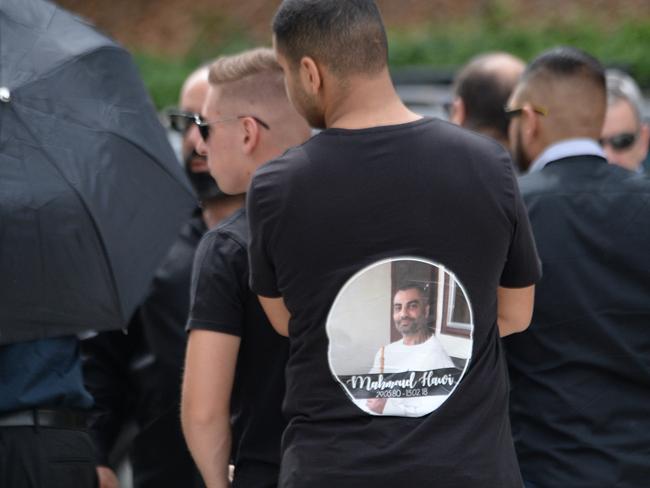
{"points": [[481, 89], [346, 36], [251, 75], [569, 85]]}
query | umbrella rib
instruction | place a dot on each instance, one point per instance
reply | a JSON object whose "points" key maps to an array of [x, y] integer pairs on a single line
{"points": [[116, 134]]}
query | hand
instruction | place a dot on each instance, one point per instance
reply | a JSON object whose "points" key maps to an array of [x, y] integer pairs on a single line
{"points": [[377, 405], [107, 478]]}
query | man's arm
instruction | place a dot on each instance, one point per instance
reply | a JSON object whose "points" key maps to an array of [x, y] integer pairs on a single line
{"points": [[277, 313], [514, 309], [205, 407]]}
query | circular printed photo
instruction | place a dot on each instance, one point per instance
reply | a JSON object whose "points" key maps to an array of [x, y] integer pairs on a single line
{"points": [[400, 336]]}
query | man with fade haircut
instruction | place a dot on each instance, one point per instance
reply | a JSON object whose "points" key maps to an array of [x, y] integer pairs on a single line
{"points": [[234, 370], [580, 382], [625, 135], [378, 183], [137, 376], [481, 90]]}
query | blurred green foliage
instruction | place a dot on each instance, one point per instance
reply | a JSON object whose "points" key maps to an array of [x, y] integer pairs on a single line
{"points": [[439, 46], [625, 45], [216, 35]]}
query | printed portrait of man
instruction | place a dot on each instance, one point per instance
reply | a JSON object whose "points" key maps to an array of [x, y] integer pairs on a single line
{"points": [[417, 350], [412, 338]]}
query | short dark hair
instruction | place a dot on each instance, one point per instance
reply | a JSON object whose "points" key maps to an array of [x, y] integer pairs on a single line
{"points": [[412, 285], [347, 36], [484, 92], [567, 62]]}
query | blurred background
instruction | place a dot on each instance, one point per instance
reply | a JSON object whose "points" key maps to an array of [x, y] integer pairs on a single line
{"points": [[429, 39]]}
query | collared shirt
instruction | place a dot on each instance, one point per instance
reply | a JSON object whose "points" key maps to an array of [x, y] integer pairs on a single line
{"points": [[566, 149]]}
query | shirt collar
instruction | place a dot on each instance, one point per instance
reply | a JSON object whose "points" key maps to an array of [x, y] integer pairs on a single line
{"points": [[566, 149]]}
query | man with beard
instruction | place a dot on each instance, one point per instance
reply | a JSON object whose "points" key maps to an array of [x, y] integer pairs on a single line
{"points": [[137, 376], [378, 183], [579, 374], [418, 350]]}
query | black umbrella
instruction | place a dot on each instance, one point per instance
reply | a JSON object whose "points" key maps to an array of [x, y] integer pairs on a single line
{"points": [[91, 194]]}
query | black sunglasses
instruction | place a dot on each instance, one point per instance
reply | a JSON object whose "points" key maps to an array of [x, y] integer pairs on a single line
{"points": [[179, 120], [619, 142], [204, 126]]}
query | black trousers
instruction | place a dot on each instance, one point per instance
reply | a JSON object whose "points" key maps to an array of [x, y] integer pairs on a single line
{"points": [[46, 457], [160, 457]]}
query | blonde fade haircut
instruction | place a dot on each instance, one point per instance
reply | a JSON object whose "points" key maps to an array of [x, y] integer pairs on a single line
{"points": [[252, 83], [252, 77]]}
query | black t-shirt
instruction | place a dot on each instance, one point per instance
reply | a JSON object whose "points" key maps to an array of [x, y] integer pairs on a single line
{"points": [[221, 301], [336, 225]]}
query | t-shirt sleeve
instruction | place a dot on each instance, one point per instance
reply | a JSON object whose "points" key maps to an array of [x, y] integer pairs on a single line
{"points": [[218, 287], [523, 267], [263, 278]]}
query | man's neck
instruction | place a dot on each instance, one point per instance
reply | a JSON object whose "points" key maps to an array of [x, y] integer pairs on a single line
{"points": [[417, 338], [220, 208], [367, 102]]}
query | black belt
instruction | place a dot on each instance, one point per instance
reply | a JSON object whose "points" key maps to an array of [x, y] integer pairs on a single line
{"points": [[62, 419]]}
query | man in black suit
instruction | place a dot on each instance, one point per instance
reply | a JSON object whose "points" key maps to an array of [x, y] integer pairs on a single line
{"points": [[580, 374]]}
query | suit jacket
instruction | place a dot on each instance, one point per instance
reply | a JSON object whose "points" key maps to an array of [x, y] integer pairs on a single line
{"points": [[580, 375]]}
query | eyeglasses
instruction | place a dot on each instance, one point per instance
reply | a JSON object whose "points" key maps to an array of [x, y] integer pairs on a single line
{"points": [[514, 112], [619, 142], [179, 120], [204, 126]]}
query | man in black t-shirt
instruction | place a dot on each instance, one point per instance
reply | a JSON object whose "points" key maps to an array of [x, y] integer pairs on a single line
{"points": [[333, 221], [235, 361]]}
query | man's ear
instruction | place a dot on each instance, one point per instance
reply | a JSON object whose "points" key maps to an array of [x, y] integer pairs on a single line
{"points": [[250, 135], [533, 136], [457, 113], [310, 75], [530, 123]]}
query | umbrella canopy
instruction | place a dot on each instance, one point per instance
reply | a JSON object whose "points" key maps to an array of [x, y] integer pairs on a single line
{"points": [[91, 194]]}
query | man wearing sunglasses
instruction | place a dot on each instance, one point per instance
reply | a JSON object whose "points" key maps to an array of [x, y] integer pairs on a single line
{"points": [[235, 361], [580, 387], [625, 135], [137, 376]]}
